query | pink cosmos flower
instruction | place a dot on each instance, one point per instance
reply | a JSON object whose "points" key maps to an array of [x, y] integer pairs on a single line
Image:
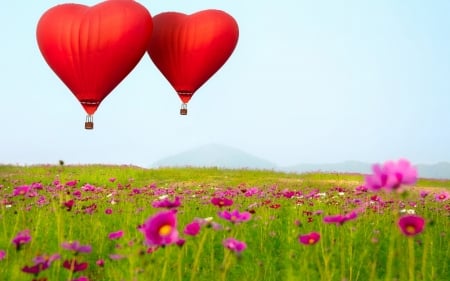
{"points": [[40, 263], [166, 203], [100, 262], [235, 216], [69, 204], [21, 238], [411, 225], [2, 254], [21, 190], [90, 209], [161, 229], [361, 189], [309, 239], [441, 197], [108, 211], [192, 228], [391, 175], [234, 245], [221, 201], [287, 193], [88, 187], [423, 193], [74, 266], [252, 191], [340, 219], [76, 247], [71, 183], [115, 235], [37, 185], [180, 242]]}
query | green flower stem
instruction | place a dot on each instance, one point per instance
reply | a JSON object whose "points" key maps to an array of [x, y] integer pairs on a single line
{"points": [[412, 261], [197, 256]]}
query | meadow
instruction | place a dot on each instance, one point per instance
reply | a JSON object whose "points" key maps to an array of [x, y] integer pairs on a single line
{"points": [[97, 222]]}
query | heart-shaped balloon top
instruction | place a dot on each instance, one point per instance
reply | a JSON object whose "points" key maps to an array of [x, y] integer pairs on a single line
{"points": [[92, 49], [189, 49]]}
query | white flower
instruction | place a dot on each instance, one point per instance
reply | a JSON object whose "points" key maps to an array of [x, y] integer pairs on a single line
{"points": [[408, 211]]}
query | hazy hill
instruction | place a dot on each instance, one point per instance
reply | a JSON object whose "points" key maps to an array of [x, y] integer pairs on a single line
{"points": [[222, 156], [215, 155]]}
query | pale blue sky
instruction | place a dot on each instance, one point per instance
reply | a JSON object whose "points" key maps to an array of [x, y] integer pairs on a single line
{"points": [[309, 82]]}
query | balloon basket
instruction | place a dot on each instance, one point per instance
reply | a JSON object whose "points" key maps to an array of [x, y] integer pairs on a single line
{"points": [[183, 109], [89, 124]]}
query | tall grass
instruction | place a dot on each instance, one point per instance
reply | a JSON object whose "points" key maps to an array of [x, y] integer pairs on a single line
{"points": [[371, 247]]}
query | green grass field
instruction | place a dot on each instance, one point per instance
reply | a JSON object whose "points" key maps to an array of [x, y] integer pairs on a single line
{"points": [[282, 206]]}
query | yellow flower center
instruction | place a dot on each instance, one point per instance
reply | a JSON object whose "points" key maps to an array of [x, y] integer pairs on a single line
{"points": [[410, 229], [311, 241], [233, 218], [165, 230]]}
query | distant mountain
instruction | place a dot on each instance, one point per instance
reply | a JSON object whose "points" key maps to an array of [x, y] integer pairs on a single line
{"points": [[216, 155], [222, 156], [440, 170]]}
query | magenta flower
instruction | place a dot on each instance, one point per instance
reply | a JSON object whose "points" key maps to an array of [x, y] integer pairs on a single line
{"points": [[423, 193], [161, 229], [40, 263], [235, 216], [100, 262], [108, 211], [221, 201], [411, 225], [21, 190], [192, 228], [166, 203], [37, 185], [180, 242], [2, 254], [21, 238], [74, 266], [309, 239], [391, 175], [234, 245], [340, 219], [69, 204], [76, 247], [441, 197], [71, 183], [115, 235]]}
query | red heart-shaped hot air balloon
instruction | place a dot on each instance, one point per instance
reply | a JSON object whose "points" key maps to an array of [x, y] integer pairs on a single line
{"points": [[189, 49], [92, 49]]}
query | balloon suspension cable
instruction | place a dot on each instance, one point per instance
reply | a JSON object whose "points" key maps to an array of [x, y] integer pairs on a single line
{"points": [[89, 124], [183, 109]]}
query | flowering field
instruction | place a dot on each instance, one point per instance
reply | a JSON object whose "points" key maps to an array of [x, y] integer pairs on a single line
{"points": [[127, 223]]}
